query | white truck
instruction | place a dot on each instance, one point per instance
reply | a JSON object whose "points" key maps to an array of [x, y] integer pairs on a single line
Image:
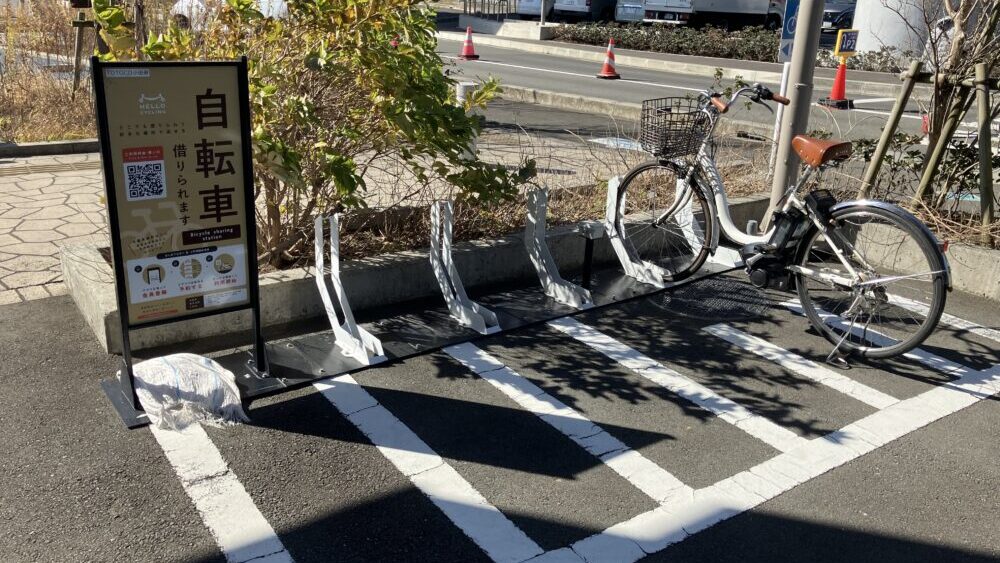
{"points": [[722, 13], [583, 10]]}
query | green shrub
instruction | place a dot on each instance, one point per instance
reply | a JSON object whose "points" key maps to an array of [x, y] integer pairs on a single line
{"points": [[751, 44]]}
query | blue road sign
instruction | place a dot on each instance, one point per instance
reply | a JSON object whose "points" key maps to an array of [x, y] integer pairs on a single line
{"points": [[788, 30]]}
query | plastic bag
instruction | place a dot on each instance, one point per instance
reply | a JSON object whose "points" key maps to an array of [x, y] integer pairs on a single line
{"points": [[182, 389]]}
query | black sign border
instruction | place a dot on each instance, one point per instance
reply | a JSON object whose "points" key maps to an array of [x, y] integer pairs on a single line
{"points": [[259, 363]]}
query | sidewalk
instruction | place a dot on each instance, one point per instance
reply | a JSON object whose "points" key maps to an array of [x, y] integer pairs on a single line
{"points": [[45, 203]]}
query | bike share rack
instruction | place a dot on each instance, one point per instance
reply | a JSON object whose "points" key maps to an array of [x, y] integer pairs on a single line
{"points": [[646, 272], [409, 329], [634, 266], [553, 283], [352, 340], [466, 311]]}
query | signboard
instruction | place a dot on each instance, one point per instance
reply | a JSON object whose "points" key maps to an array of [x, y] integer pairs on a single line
{"points": [[176, 156], [179, 190], [788, 23], [847, 43]]}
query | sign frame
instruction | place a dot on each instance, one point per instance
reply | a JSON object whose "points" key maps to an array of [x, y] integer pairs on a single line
{"points": [[841, 35], [789, 22], [122, 393]]}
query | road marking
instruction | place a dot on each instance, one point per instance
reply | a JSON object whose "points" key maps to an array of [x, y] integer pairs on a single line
{"points": [[656, 529], [482, 522], [580, 74], [951, 320], [938, 363], [656, 482], [226, 508], [874, 100], [802, 366], [757, 426]]}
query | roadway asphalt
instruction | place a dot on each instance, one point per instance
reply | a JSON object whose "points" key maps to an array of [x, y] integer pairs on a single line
{"points": [[75, 485], [566, 75]]}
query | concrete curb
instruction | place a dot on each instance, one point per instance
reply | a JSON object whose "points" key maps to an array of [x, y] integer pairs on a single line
{"points": [[291, 296], [25, 150], [624, 58], [625, 111]]}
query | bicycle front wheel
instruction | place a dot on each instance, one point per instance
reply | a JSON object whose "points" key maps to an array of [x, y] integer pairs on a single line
{"points": [[673, 234], [895, 295]]}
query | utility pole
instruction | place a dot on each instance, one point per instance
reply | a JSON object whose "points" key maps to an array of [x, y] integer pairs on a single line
{"points": [[541, 18], [800, 90]]}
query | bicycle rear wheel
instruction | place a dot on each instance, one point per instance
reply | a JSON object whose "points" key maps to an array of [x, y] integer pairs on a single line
{"points": [[678, 243], [901, 293]]}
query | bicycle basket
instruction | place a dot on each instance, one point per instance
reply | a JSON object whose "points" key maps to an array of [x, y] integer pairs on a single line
{"points": [[672, 127]]}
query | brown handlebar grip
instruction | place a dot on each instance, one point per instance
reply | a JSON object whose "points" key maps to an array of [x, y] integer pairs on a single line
{"points": [[781, 99], [719, 104]]}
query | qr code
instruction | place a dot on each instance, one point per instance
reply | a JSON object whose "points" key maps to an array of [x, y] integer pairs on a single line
{"points": [[145, 180]]}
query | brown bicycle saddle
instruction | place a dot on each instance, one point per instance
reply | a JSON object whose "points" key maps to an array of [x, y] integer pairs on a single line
{"points": [[816, 152]]}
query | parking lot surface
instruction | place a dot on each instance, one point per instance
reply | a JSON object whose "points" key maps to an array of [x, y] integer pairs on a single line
{"points": [[696, 424]]}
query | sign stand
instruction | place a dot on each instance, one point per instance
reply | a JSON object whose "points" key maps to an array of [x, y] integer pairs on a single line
{"points": [[847, 44], [183, 233]]}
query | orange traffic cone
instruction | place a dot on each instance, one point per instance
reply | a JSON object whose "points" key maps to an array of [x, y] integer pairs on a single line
{"points": [[838, 93], [468, 51], [608, 71]]}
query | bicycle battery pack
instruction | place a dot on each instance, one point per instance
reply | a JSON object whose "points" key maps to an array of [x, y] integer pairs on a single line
{"points": [[819, 202]]}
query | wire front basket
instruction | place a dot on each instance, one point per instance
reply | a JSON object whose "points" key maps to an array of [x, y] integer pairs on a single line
{"points": [[673, 127]]}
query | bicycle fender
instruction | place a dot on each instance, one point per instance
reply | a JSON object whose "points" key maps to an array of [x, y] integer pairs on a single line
{"points": [[905, 215]]}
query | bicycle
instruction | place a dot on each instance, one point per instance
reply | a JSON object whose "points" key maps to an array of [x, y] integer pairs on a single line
{"points": [[870, 276]]}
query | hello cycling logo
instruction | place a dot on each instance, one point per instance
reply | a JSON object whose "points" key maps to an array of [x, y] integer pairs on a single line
{"points": [[152, 105]]}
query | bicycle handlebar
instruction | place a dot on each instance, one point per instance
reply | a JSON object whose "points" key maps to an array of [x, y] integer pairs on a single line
{"points": [[757, 93]]}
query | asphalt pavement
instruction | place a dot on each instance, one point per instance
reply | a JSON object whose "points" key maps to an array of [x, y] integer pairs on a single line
{"points": [[569, 76], [525, 442]]}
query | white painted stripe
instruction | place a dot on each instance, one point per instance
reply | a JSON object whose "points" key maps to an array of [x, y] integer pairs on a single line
{"points": [[918, 354], [226, 508], [874, 100], [802, 366], [651, 479], [753, 424], [580, 74], [951, 320], [482, 522], [654, 530]]}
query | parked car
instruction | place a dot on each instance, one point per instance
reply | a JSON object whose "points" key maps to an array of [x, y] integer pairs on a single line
{"points": [[532, 9], [584, 10], [628, 11], [676, 12], [838, 14], [733, 14]]}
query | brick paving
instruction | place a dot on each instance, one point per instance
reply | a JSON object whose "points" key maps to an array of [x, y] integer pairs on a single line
{"points": [[46, 203]]}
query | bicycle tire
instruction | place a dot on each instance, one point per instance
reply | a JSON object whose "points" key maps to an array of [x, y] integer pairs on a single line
{"points": [[867, 343], [628, 229]]}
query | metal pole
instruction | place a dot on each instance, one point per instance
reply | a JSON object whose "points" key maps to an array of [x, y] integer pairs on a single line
{"points": [[541, 17], [947, 131], [783, 90], [985, 152], [800, 81], [78, 52], [909, 80]]}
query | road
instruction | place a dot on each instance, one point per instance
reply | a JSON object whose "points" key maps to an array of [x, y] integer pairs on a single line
{"points": [[561, 74], [605, 447]]}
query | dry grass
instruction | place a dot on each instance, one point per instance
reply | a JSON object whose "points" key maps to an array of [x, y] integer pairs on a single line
{"points": [[36, 94]]}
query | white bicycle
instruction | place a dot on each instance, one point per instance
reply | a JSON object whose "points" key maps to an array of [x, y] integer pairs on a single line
{"points": [[870, 276]]}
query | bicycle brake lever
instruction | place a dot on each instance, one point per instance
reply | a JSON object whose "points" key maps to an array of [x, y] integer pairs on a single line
{"points": [[757, 100]]}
